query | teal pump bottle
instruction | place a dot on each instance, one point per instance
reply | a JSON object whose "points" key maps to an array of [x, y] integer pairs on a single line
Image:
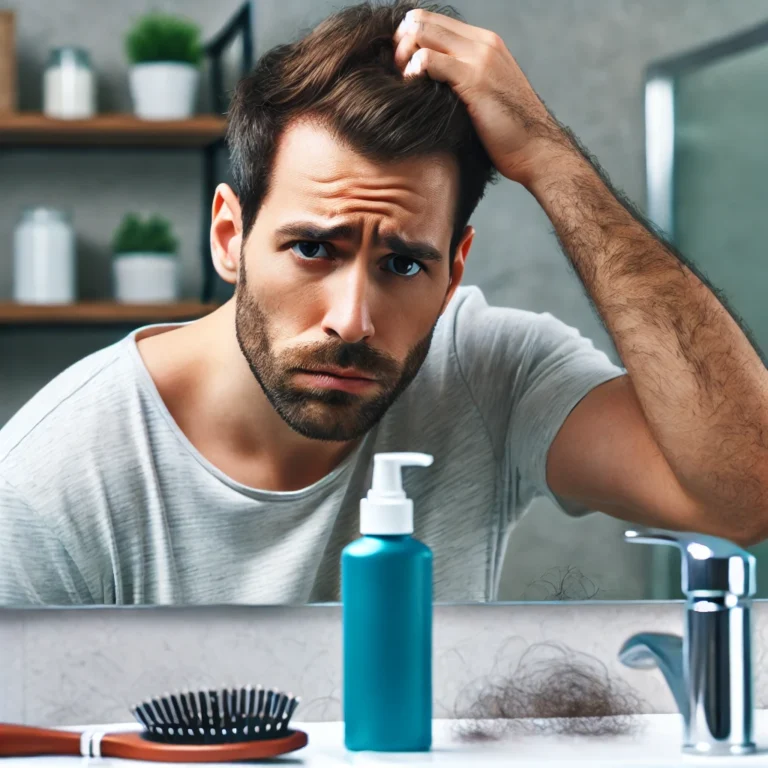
{"points": [[386, 586]]}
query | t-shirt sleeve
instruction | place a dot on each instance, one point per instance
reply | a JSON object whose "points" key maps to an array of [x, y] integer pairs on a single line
{"points": [[526, 372], [35, 568]]}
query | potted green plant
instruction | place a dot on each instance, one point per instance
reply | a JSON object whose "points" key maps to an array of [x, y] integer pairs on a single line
{"points": [[165, 54], [145, 262]]}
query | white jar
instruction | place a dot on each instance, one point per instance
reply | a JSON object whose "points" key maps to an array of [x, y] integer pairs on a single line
{"points": [[69, 89], [44, 262], [145, 278]]}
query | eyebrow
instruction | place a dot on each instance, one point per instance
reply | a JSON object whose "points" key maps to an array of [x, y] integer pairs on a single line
{"points": [[306, 230]]}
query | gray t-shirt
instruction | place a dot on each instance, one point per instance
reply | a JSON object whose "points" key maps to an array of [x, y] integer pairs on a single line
{"points": [[104, 500]]}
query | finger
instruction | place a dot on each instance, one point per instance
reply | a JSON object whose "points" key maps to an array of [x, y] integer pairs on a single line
{"points": [[438, 38], [439, 66], [419, 15]]}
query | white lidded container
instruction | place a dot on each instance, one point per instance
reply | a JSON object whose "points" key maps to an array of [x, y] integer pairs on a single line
{"points": [[145, 278], [69, 87], [44, 259]]}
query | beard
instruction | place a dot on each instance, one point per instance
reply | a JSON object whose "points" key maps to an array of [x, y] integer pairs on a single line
{"points": [[321, 414]]}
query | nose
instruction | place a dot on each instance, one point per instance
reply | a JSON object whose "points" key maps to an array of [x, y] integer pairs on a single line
{"points": [[348, 316]]}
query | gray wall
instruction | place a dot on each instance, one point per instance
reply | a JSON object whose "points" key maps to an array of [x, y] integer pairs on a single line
{"points": [[586, 59]]}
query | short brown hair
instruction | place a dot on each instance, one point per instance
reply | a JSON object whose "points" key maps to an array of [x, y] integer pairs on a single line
{"points": [[343, 74]]}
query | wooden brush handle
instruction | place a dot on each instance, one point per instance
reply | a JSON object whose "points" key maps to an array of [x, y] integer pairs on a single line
{"points": [[26, 741], [23, 740]]}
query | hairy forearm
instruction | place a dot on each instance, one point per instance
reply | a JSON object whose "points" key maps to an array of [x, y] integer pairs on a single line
{"points": [[702, 387]]}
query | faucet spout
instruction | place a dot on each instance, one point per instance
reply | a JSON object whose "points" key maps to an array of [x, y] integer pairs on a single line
{"points": [[647, 650]]}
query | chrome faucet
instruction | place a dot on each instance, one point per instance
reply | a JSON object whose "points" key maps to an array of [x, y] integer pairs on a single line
{"points": [[709, 669]]}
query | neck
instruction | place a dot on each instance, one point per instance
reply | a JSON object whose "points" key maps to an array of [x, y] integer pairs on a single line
{"points": [[209, 389]]}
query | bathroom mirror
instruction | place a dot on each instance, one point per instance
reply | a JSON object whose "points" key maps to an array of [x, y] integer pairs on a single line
{"points": [[703, 127]]}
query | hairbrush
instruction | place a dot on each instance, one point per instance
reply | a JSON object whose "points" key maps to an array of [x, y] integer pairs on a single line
{"points": [[200, 727]]}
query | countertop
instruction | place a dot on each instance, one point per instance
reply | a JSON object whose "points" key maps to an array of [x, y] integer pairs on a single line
{"points": [[654, 741]]}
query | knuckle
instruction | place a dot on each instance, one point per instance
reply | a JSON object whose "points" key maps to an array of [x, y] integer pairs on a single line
{"points": [[421, 26], [495, 42], [487, 54], [417, 16]]}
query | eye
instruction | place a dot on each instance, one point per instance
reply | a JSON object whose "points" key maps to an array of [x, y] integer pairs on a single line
{"points": [[404, 266], [310, 250]]}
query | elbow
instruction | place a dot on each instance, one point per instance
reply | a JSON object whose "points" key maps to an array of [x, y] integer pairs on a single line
{"points": [[758, 514], [750, 529], [745, 521], [748, 539], [743, 528]]}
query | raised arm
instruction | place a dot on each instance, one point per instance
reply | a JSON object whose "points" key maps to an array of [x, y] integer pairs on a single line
{"points": [[682, 442]]}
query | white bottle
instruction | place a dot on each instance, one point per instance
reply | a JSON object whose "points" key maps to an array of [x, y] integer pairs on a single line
{"points": [[44, 261]]}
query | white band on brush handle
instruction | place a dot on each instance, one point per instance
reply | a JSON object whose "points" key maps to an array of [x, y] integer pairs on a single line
{"points": [[90, 742], [96, 743], [85, 742]]}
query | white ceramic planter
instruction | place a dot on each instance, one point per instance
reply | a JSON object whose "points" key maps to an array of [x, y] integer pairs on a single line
{"points": [[145, 278], [164, 90]]}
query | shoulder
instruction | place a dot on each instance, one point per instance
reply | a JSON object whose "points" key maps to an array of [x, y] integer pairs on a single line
{"points": [[488, 339], [469, 370], [57, 425], [497, 356], [471, 318]]}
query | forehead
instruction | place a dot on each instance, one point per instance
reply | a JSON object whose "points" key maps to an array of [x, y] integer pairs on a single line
{"points": [[313, 172]]}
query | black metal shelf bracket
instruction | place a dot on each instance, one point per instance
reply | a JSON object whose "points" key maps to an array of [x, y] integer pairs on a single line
{"points": [[240, 25]]}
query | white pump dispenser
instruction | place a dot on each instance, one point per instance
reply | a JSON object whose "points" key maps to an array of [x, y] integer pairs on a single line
{"points": [[387, 511]]}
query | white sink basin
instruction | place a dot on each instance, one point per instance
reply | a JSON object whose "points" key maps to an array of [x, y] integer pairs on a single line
{"points": [[655, 743]]}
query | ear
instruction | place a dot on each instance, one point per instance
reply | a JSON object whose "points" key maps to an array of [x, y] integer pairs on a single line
{"points": [[226, 233], [459, 260]]}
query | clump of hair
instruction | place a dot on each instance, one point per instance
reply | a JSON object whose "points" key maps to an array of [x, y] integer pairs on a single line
{"points": [[342, 74], [552, 690], [562, 583]]}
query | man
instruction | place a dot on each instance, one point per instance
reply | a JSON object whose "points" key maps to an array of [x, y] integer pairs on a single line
{"points": [[223, 460]]}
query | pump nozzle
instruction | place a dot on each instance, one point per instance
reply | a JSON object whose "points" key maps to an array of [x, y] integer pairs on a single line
{"points": [[386, 510], [387, 478]]}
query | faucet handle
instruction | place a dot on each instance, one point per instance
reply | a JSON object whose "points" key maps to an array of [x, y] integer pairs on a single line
{"points": [[710, 565]]}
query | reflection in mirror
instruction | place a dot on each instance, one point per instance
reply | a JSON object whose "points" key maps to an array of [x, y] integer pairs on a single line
{"points": [[158, 450]]}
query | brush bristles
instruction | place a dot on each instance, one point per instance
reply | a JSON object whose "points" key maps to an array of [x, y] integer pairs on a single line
{"points": [[217, 716]]}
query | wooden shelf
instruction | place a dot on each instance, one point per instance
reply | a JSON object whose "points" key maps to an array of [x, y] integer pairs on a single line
{"points": [[33, 129], [99, 313]]}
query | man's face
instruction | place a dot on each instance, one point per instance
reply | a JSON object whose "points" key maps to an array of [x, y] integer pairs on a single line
{"points": [[342, 279]]}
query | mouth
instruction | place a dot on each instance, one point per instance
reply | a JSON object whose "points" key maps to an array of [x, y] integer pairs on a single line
{"points": [[338, 373], [347, 379]]}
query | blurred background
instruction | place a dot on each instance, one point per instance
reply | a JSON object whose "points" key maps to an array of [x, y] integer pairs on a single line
{"points": [[111, 194]]}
